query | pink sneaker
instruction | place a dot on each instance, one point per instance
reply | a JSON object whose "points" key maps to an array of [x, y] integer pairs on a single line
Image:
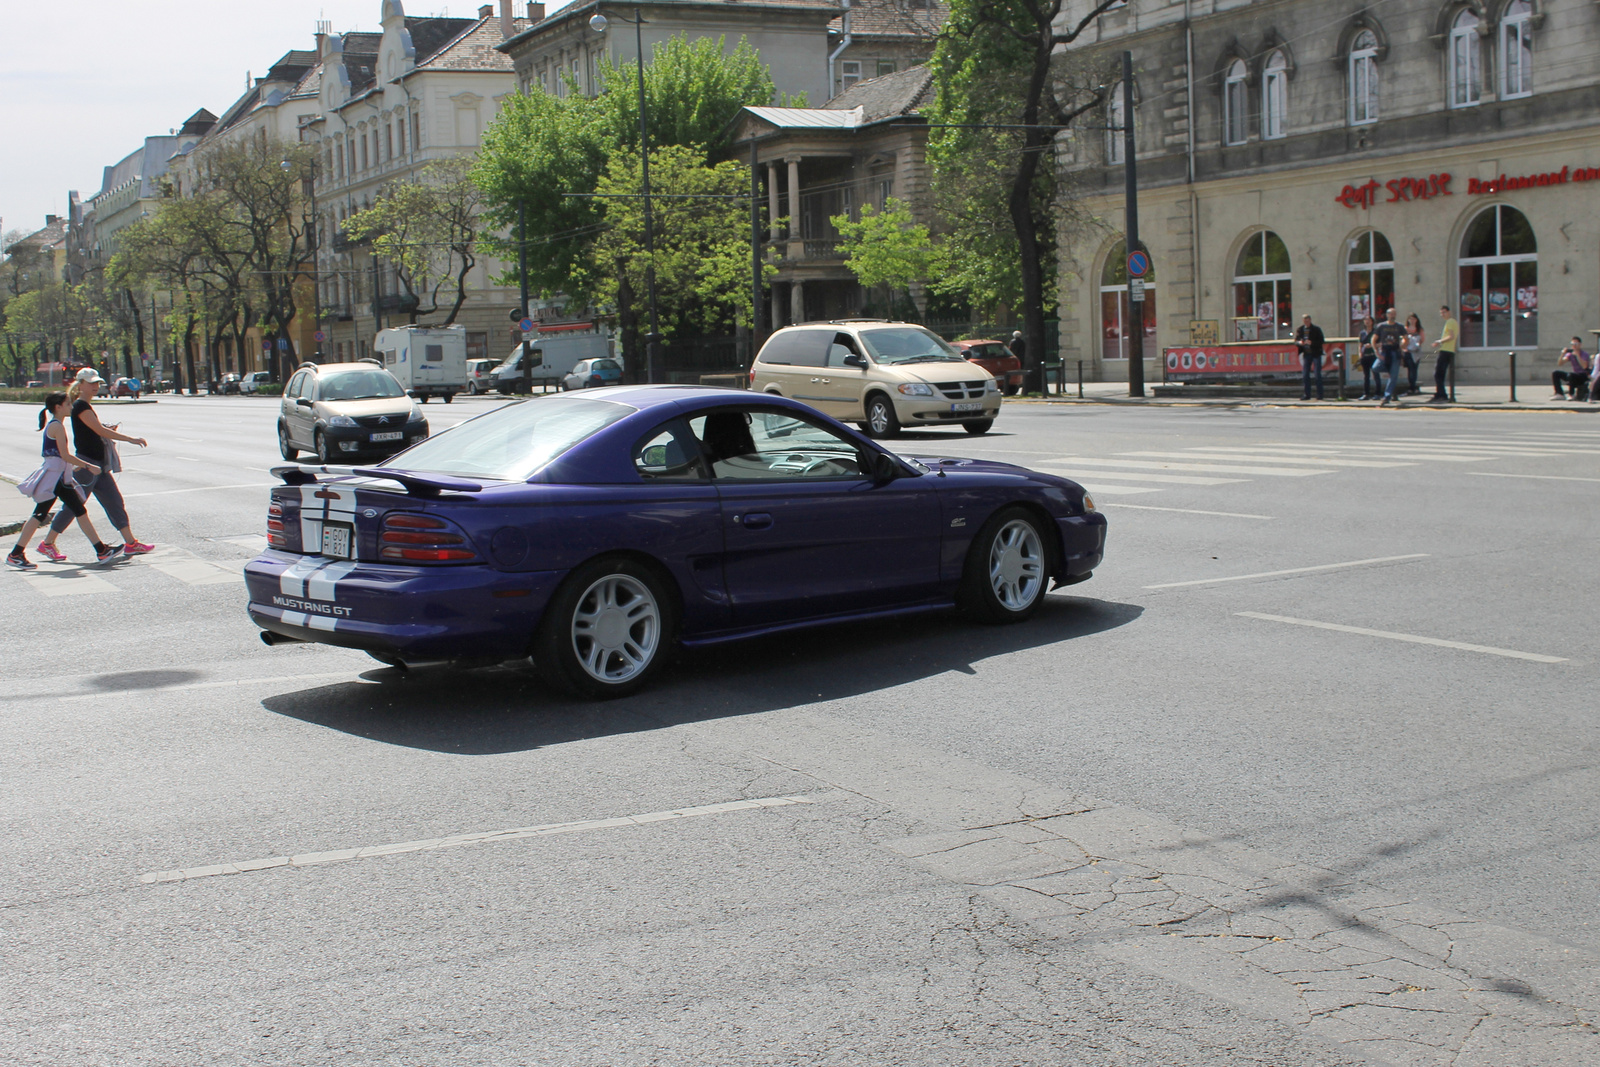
{"points": [[51, 552], [137, 548]]}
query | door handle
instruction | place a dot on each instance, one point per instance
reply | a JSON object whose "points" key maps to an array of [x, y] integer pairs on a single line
{"points": [[757, 520]]}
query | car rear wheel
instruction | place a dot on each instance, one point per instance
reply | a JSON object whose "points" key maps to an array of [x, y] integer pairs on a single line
{"points": [[981, 426], [287, 450], [321, 441], [881, 419], [1007, 568], [1012, 390], [607, 630], [449, 397]]}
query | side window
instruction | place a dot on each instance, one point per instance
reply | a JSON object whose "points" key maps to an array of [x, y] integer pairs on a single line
{"points": [[669, 454], [751, 445], [841, 347], [296, 385], [798, 348]]}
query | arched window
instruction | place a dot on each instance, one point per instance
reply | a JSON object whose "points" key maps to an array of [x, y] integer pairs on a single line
{"points": [[1516, 50], [1369, 271], [1261, 286], [1115, 114], [1235, 104], [1499, 276], [1275, 96], [1114, 310], [1364, 78], [1464, 60]]}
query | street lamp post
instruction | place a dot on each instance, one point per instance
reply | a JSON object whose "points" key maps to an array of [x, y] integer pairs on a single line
{"points": [[653, 369]]}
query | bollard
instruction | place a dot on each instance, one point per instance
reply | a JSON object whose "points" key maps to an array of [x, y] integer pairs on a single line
{"points": [[1342, 372], [1513, 356], [1080, 379]]}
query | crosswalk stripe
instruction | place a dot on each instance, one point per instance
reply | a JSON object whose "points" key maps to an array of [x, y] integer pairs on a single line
{"points": [[1217, 468], [190, 569], [1177, 479], [66, 581], [1363, 452], [1304, 461], [1119, 490]]}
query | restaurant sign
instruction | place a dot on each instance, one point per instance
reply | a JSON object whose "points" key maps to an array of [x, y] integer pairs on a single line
{"points": [[1426, 188], [1259, 361]]}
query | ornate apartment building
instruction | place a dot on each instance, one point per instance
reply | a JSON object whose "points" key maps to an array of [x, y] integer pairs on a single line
{"points": [[1339, 159]]}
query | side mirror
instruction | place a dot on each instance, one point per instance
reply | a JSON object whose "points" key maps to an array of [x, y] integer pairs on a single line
{"points": [[882, 468], [304, 402], [854, 360]]}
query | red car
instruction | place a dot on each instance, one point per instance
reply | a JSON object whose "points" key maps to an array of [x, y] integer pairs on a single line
{"points": [[994, 357]]}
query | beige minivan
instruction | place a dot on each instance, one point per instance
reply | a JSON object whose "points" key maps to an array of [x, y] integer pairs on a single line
{"points": [[882, 375]]}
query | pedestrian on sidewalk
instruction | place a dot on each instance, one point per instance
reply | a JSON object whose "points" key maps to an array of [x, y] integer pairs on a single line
{"points": [[1413, 353], [94, 441], [49, 483], [1308, 339], [1446, 347], [1371, 381], [1390, 338], [1576, 379]]}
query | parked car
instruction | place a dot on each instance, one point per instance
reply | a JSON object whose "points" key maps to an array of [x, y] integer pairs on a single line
{"points": [[480, 376], [130, 387], [253, 381], [881, 375], [228, 384], [347, 411], [996, 358], [34, 384], [590, 373], [599, 532]]}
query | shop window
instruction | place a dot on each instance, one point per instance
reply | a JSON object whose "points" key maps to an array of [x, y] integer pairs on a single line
{"points": [[1499, 278], [1116, 116], [1275, 96], [1262, 301], [1464, 60], [1516, 50], [1115, 314], [1235, 104], [1364, 78], [1369, 273]]}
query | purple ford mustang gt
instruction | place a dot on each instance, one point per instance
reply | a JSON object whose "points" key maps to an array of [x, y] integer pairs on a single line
{"points": [[595, 533]]}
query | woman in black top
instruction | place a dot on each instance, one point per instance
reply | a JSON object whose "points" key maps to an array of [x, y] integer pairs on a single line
{"points": [[1371, 381], [89, 436]]}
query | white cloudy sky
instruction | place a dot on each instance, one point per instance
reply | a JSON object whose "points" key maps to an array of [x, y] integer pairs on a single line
{"points": [[82, 84]]}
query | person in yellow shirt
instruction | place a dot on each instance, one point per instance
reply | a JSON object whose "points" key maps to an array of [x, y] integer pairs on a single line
{"points": [[1446, 347]]}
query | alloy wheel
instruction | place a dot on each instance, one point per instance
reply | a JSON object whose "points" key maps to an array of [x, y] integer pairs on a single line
{"points": [[1016, 565], [616, 629]]}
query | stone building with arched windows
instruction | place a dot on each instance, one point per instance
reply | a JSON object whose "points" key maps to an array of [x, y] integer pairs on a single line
{"points": [[1340, 159]]}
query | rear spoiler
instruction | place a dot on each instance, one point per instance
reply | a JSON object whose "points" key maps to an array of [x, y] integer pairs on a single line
{"points": [[415, 484]]}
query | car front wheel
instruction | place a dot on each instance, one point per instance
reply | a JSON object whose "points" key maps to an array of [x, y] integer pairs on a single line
{"points": [[881, 419], [287, 450], [321, 441], [1007, 568], [981, 426], [607, 630]]}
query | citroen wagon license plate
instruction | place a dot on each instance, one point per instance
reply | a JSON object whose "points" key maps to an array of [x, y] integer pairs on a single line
{"points": [[393, 435]]}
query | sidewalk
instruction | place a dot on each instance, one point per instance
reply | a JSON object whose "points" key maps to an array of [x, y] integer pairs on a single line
{"points": [[1531, 396], [14, 507]]}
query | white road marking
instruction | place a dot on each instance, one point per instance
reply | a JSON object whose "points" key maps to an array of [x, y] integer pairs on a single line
{"points": [[1179, 479], [189, 568], [253, 542], [1229, 456], [204, 489], [1488, 650], [1119, 490], [1215, 468], [1188, 511], [238, 683], [1540, 477], [520, 833], [1292, 570], [57, 580]]}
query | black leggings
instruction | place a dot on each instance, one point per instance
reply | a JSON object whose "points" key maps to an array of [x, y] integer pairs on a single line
{"points": [[68, 495]]}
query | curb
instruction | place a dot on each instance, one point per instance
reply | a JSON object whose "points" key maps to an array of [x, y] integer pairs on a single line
{"points": [[9, 528], [1273, 402]]}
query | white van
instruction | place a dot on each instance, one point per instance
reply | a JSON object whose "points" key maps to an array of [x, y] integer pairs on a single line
{"points": [[427, 361], [550, 358]]}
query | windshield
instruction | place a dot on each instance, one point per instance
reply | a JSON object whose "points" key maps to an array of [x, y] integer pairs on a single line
{"points": [[908, 344], [360, 385], [512, 443]]}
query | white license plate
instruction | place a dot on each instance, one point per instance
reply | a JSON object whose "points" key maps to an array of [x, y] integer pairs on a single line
{"points": [[959, 409], [393, 435], [336, 540]]}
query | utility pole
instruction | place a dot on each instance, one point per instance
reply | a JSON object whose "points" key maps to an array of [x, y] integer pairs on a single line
{"points": [[522, 283], [1135, 331], [756, 302]]}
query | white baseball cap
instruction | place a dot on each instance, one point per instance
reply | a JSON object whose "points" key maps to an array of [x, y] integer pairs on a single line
{"points": [[89, 374]]}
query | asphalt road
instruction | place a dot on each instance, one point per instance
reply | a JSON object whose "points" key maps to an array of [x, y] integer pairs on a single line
{"points": [[1305, 775]]}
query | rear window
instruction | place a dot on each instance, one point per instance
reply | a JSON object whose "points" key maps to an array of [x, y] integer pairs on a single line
{"points": [[606, 364], [797, 348], [991, 351], [514, 442]]}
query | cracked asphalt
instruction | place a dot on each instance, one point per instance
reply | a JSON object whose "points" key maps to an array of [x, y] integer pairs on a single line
{"points": [[1140, 830]]}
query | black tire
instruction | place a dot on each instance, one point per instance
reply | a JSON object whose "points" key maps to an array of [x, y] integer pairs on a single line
{"points": [[285, 448], [1007, 571], [981, 426], [449, 397], [424, 398], [643, 616], [1011, 390], [321, 441], [881, 422]]}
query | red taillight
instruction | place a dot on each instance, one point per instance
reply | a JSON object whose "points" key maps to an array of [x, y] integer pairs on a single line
{"points": [[752, 377], [412, 538], [275, 535]]}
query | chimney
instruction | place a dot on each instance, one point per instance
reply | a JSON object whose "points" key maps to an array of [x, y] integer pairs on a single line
{"points": [[51, 220], [324, 30], [486, 11], [508, 23], [535, 12]]}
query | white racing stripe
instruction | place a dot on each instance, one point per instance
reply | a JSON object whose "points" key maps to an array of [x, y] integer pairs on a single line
{"points": [[1291, 570], [1488, 650], [313, 859], [292, 582], [322, 585]]}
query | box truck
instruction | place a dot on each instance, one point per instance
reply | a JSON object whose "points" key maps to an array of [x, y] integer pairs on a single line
{"points": [[427, 361], [550, 358]]}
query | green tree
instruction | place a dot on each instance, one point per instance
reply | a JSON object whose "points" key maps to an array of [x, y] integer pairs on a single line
{"points": [[887, 247], [693, 90], [1005, 63], [428, 228]]}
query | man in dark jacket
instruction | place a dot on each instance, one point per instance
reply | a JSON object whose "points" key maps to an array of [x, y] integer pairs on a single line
{"points": [[1308, 338]]}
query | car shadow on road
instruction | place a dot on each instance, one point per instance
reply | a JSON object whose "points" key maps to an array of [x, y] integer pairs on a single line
{"points": [[503, 710]]}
